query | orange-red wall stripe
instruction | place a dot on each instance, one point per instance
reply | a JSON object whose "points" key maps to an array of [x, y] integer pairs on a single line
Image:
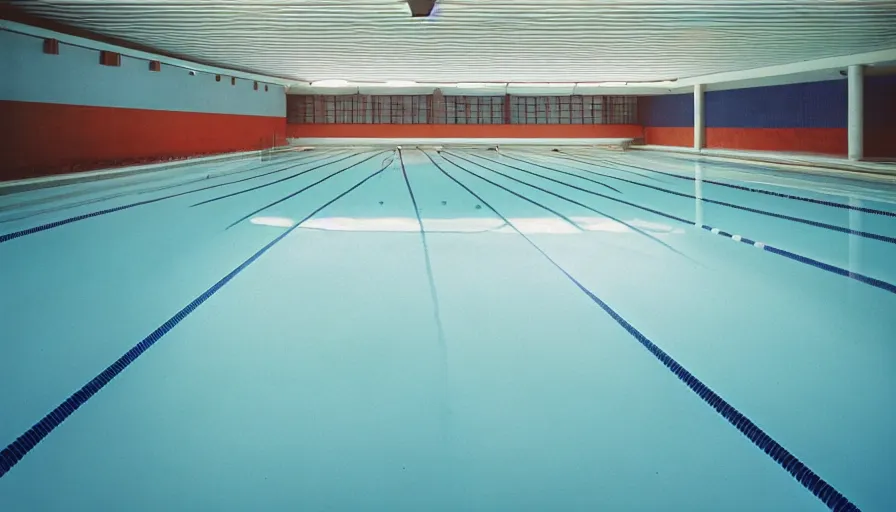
{"points": [[830, 141], [669, 136], [44, 138]]}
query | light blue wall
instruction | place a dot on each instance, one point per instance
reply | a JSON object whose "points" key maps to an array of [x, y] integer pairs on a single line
{"points": [[75, 77]]}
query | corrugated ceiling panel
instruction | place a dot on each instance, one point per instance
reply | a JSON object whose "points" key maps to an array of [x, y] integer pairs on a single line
{"points": [[497, 40]]}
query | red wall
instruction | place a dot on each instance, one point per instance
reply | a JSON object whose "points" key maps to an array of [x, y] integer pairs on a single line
{"points": [[464, 131], [45, 138], [806, 140], [802, 140], [669, 136]]}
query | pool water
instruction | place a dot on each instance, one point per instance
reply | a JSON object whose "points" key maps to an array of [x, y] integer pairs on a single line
{"points": [[372, 329]]}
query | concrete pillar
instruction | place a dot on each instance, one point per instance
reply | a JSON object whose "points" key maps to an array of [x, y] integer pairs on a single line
{"points": [[699, 118], [855, 118]]}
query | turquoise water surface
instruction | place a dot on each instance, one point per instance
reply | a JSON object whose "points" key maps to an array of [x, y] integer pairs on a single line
{"points": [[373, 329]]}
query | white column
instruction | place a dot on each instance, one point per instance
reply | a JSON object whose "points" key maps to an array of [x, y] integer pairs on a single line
{"points": [[855, 110], [698, 117]]}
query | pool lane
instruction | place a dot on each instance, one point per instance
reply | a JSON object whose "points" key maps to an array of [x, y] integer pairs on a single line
{"points": [[321, 368]]}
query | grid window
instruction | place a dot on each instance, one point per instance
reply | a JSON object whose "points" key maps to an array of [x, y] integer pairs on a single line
{"points": [[573, 109], [438, 109]]}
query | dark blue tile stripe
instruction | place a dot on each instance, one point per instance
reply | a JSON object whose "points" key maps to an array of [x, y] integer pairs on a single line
{"points": [[434, 296], [569, 200], [793, 256], [621, 201], [44, 227], [763, 191], [877, 283], [281, 180], [407, 182], [147, 186], [297, 192], [16, 450], [831, 227], [517, 194], [645, 176], [810, 480], [557, 154], [554, 170]]}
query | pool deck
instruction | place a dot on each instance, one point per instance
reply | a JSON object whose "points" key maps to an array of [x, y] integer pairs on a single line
{"points": [[800, 162]]}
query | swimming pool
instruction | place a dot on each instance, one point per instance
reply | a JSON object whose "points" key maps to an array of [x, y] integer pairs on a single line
{"points": [[371, 329]]}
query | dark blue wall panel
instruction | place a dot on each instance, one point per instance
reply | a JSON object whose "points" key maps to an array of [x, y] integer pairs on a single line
{"points": [[808, 105], [880, 102], [675, 110], [880, 116]]}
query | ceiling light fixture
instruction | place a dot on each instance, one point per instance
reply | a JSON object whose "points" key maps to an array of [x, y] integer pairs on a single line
{"points": [[483, 85]]}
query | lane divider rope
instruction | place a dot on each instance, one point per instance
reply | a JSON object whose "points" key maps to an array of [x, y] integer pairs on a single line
{"points": [[325, 178], [18, 449], [281, 180], [51, 225], [823, 202], [877, 283], [810, 480], [567, 199], [823, 225]]}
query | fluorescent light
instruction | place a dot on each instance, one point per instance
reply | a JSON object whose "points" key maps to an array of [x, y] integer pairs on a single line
{"points": [[602, 84], [659, 83], [545, 84], [400, 83], [330, 83], [483, 85]]}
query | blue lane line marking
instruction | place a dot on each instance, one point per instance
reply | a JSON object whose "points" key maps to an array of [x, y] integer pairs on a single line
{"points": [[823, 225], [517, 194], [434, 296], [147, 187], [554, 170], [580, 169], [573, 201], [44, 227], [877, 283], [15, 451], [768, 192], [588, 162], [810, 480], [281, 180], [297, 192], [622, 201]]}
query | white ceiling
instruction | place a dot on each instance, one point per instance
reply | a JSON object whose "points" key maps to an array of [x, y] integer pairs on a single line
{"points": [[491, 40]]}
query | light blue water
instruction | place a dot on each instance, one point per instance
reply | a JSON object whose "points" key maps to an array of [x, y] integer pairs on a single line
{"points": [[498, 360]]}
